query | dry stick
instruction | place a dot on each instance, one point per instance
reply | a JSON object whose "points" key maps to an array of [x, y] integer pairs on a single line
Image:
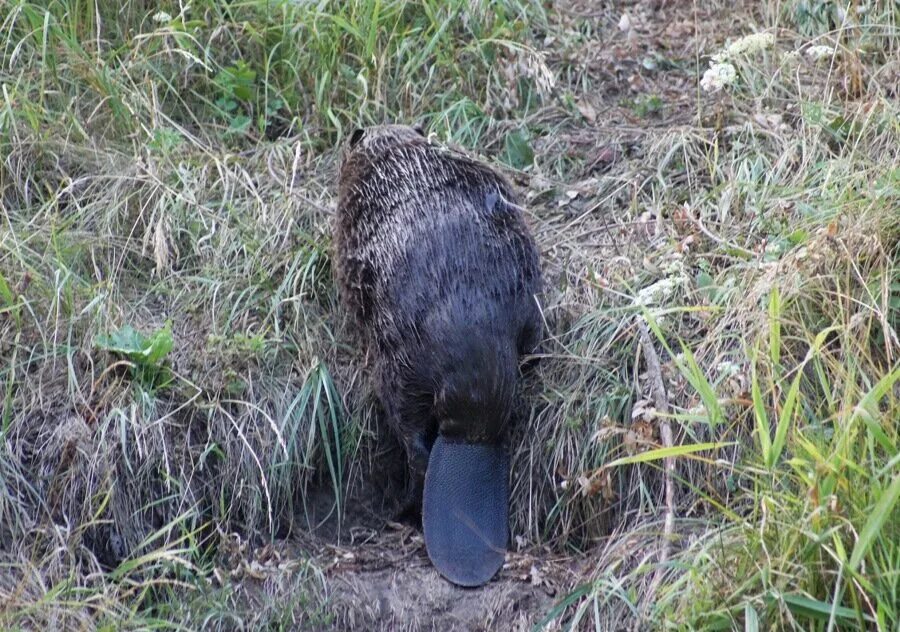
{"points": [[719, 240], [665, 431]]}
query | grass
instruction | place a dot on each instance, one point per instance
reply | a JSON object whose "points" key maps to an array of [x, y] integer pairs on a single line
{"points": [[782, 336], [176, 382]]}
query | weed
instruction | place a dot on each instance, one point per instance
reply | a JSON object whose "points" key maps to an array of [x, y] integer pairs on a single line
{"points": [[146, 354]]}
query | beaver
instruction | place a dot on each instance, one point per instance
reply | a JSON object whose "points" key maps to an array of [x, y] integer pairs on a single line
{"points": [[437, 268]]}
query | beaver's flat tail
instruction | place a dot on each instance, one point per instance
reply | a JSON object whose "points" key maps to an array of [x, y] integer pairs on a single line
{"points": [[465, 510]]}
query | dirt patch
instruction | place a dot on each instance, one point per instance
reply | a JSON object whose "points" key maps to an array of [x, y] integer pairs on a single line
{"points": [[378, 575], [388, 583]]}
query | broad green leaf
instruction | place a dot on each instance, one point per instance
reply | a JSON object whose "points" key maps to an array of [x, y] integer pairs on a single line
{"points": [[126, 341], [139, 348], [519, 153], [159, 345], [706, 285]]}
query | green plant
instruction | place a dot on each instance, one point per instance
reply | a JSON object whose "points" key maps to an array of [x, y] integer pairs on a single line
{"points": [[646, 106], [145, 354]]}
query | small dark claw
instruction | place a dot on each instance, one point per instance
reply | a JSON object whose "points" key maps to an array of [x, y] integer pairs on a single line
{"points": [[417, 452], [410, 510]]}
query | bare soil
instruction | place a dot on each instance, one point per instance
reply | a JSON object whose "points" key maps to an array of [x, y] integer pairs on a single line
{"points": [[388, 583]]}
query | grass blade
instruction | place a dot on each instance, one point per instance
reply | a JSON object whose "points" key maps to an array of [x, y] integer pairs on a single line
{"points": [[662, 453], [762, 418], [775, 327], [697, 379], [879, 516], [784, 420], [816, 609], [751, 619], [867, 409]]}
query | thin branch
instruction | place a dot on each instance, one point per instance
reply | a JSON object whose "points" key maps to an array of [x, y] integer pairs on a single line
{"points": [[719, 240], [661, 403]]}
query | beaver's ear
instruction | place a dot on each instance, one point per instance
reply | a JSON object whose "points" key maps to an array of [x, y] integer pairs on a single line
{"points": [[356, 136], [419, 128]]}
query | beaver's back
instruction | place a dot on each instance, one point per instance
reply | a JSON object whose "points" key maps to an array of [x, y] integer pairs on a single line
{"points": [[434, 259]]}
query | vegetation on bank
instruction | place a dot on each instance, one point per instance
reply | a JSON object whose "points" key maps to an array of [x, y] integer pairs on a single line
{"points": [[175, 378]]}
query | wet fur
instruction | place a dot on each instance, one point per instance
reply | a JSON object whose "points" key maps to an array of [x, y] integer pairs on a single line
{"points": [[437, 268]]}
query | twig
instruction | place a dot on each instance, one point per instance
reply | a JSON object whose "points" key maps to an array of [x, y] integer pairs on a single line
{"points": [[719, 240], [665, 431]]}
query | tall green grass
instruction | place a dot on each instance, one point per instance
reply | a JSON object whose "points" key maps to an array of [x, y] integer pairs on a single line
{"points": [[815, 543], [245, 71], [781, 337]]}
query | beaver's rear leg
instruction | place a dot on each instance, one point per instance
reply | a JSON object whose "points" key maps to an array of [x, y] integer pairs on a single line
{"points": [[408, 405], [418, 449]]}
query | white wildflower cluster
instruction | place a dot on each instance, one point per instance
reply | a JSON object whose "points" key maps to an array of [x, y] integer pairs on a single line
{"points": [[727, 368], [793, 57], [658, 292], [746, 45], [717, 76], [818, 53], [721, 71], [675, 267], [696, 411], [161, 17]]}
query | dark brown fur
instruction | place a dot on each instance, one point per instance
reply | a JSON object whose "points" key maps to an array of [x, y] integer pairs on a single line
{"points": [[436, 265]]}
